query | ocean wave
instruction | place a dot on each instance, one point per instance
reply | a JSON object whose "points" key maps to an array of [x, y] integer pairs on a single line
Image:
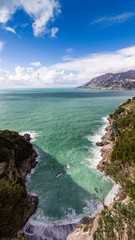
{"points": [[32, 134], [34, 231], [95, 150], [58, 230]]}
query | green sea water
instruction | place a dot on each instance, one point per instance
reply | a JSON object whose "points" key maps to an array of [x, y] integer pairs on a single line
{"points": [[65, 125]]}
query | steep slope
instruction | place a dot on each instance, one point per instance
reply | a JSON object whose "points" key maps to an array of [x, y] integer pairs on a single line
{"points": [[119, 81], [118, 220], [17, 158]]}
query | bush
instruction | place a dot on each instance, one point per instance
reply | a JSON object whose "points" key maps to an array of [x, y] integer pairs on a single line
{"points": [[12, 145], [13, 204]]}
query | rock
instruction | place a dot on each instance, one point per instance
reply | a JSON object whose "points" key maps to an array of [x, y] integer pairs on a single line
{"points": [[99, 144], [68, 166], [33, 200], [101, 165], [17, 158], [27, 137], [3, 166]]}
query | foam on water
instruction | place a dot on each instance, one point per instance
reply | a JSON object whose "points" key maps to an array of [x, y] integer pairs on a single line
{"points": [[32, 134], [96, 150], [112, 194], [108, 200], [55, 231]]}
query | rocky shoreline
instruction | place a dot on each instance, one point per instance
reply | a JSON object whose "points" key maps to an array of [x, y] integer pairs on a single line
{"points": [[17, 159], [87, 231], [117, 220], [80, 233], [47, 231], [106, 145]]}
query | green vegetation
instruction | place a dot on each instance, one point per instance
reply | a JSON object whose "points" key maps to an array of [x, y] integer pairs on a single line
{"points": [[122, 165], [18, 238], [13, 202], [118, 223], [12, 145]]}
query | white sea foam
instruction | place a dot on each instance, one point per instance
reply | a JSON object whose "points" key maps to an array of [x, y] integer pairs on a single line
{"points": [[98, 210], [60, 229], [108, 200], [95, 150], [32, 134], [112, 194], [92, 207], [36, 231]]}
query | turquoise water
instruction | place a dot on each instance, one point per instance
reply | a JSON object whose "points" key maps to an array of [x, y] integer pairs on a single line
{"points": [[64, 124]]}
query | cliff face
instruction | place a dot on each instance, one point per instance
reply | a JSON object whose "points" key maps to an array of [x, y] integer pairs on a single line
{"points": [[119, 81], [118, 152], [17, 158]]}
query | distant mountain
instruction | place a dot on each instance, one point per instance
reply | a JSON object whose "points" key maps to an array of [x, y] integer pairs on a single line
{"points": [[118, 81]]}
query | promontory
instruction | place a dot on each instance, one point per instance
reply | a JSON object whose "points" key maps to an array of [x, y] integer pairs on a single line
{"points": [[17, 158], [113, 81]]}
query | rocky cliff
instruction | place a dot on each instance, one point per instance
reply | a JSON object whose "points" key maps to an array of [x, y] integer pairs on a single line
{"points": [[118, 81], [17, 158], [118, 152]]}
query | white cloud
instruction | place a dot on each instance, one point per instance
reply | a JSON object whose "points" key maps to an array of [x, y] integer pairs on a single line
{"points": [[54, 32], [9, 29], [35, 64], [72, 73], [7, 9], [117, 19], [1, 45], [41, 11]]}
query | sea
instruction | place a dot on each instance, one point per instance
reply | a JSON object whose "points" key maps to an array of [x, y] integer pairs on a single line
{"points": [[64, 125]]}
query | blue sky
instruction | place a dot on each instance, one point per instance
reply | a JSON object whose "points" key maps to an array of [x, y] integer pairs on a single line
{"points": [[64, 43]]}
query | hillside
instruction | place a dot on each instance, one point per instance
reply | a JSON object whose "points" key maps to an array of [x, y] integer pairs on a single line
{"points": [[117, 221], [17, 158], [118, 81]]}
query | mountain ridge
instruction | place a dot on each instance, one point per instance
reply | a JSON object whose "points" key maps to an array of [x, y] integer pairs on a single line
{"points": [[113, 81]]}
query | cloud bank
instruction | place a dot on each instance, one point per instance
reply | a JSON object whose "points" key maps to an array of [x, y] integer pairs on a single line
{"points": [[72, 73], [41, 12]]}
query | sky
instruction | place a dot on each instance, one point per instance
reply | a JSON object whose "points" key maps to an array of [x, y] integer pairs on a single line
{"points": [[64, 43]]}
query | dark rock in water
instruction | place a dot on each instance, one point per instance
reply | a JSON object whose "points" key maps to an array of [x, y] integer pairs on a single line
{"points": [[54, 231], [101, 165], [27, 137], [99, 144]]}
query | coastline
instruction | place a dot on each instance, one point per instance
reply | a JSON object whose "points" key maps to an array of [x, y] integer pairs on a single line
{"points": [[106, 145], [117, 220], [64, 229], [17, 160]]}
